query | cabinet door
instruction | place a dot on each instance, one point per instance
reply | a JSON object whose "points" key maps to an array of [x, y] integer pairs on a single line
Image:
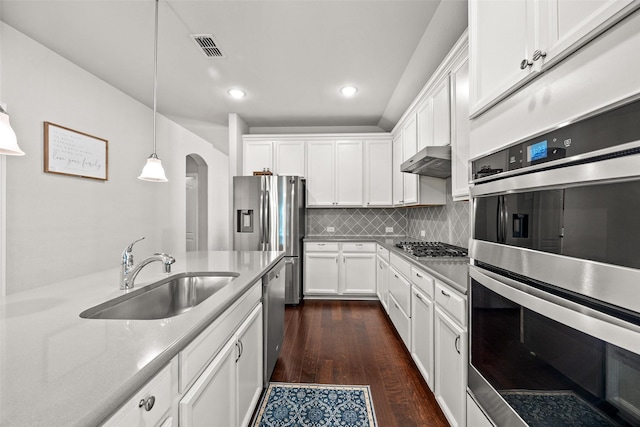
{"points": [[320, 173], [212, 399], [460, 130], [382, 283], [290, 158], [258, 156], [359, 273], [321, 273], [425, 123], [378, 168], [249, 365], [567, 24], [409, 138], [442, 114], [398, 177], [422, 334], [349, 176], [450, 368], [500, 34], [400, 320]]}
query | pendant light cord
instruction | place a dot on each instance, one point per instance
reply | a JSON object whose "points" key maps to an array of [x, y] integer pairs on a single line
{"points": [[155, 79]]}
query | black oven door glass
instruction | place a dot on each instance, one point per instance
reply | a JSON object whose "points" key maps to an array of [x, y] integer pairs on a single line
{"points": [[595, 222], [549, 373]]}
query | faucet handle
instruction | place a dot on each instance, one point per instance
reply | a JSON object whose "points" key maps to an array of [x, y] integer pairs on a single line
{"points": [[127, 254], [130, 247]]}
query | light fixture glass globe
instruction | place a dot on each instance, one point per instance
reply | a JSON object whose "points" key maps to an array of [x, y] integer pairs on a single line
{"points": [[237, 93], [8, 141], [153, 170]]}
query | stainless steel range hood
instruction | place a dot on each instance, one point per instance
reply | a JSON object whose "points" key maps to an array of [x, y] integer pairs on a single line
{"points": [[430, 161]]}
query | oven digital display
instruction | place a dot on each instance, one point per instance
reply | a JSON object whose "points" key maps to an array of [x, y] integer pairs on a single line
{"points": [[537, 151]]}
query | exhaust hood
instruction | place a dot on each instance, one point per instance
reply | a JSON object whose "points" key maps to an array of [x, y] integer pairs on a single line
{"points": [[430, 161]]}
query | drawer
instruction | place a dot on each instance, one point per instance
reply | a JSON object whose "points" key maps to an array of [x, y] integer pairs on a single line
{"points": [[400, 321], [321, 247], [358, 247], [452, 302], [197, 355], [158, 391], [401, 265], [382, 252], [423, 281], [401, 290]]}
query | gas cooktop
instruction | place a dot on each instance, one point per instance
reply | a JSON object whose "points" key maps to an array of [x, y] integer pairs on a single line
{"points": [[432, 249]]}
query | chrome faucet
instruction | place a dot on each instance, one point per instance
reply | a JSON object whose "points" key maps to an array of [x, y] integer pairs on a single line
{"points": [[129, 271]]}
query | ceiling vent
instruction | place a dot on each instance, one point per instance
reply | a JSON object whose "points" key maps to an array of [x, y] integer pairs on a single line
{"points": [[207, 45]]}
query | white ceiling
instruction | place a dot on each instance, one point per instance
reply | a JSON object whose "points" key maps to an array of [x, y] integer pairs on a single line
{"points": [[290, 56]]}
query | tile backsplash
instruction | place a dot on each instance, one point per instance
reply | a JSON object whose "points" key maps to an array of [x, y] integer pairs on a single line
{"points": [[448, 224]]}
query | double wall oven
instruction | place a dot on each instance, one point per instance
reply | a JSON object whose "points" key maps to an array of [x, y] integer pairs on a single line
{"points": [[555, 276]]}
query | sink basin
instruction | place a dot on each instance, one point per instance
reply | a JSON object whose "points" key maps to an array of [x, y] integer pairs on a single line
{"points": [[166, 298]]}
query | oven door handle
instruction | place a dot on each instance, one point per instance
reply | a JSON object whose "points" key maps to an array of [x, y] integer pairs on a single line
{"points": [[501, 219]]}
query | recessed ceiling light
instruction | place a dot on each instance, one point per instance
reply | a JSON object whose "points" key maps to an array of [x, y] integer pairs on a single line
{"points": [[237, 93], [349, 90]]}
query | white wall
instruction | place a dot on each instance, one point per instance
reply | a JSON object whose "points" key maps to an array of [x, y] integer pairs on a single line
{"points": [[60, 227]]}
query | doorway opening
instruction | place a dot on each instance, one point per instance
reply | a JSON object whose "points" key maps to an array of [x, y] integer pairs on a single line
{"points": [[196, 182]]}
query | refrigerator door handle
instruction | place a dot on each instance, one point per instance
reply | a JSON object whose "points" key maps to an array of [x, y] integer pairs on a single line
{"points": [[267, 222]]}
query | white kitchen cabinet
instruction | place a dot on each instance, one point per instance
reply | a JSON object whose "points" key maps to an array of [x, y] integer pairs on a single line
{"points": [[442, 113], [425, 123], [378, 180], [460, 128], [335, 173], [422, 333], [321, 273], [249, 365], [409, 148], [398, 177], [340, 269], [290, 158], [382, 283], [257, 156], [213, 397], [512, 42], [230, 386], [359, 273], [401, 320], [349, 173], [321, 173], [150, 406], [475, 416], [450, 368]]}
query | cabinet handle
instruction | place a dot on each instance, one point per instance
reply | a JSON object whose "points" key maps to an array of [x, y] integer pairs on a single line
{"points": [[396, 306], [444, 293], [418, 275], [359, 245], [380, 266], [336, 260], [419, 297], [321, 244], [539, 54], [396, 276], [147, 403], [457, 344], [239, 351], [525, 63]]}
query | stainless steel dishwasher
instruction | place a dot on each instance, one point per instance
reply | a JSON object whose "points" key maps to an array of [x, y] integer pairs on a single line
{"points": [[273, 289]]}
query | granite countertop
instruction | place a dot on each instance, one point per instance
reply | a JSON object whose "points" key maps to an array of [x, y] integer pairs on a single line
{"points": [[453, 272], [59, 369]]}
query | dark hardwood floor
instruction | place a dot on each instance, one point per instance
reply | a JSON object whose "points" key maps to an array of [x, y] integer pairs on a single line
{"points": [[353, 342]]}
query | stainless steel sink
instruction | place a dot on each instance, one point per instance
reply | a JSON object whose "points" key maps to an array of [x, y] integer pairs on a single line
{"points": [[166, 298]]}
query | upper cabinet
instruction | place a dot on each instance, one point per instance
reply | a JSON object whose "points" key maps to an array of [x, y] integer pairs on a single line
{"points": [[286, 157], [433, 116], [377, 173], [512, 42], [460, 127]]}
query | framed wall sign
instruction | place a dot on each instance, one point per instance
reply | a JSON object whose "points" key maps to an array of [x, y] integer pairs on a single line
{"points": [[69, 152]]}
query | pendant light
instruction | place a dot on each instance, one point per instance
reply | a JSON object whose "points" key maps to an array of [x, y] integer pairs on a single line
{"points": [[153, 170], [8, 140]]}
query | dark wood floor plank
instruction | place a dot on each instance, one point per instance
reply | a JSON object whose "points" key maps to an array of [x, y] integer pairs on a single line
{"points": [[353, 342]]}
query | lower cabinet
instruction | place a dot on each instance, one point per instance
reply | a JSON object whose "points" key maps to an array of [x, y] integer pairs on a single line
{"points": [[450, 368], [422, 334], [400, 320], [227, 391], [340, 269]]}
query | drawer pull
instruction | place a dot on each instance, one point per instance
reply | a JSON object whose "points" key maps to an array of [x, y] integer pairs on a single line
{"points": [[444, 293], [419, 297], [457, 344], [418, 275], [147, 403], [321, 244], [396, 276], [359, 244]]}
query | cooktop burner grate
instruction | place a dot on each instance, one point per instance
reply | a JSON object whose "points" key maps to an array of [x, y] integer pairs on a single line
{"points": [[432, 249]]}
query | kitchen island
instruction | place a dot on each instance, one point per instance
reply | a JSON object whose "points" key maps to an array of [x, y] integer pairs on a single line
{"points": [[59, 369]]}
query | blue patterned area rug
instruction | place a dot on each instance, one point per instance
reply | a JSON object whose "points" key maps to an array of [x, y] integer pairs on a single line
{"points": [[555, 408], [316, 405]]}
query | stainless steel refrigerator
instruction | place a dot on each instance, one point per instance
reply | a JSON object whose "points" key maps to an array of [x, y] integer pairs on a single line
{"points": [[269, 214]]}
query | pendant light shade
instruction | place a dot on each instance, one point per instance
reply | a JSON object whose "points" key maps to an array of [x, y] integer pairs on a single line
{"points": [[153, 170], [8, 140]]}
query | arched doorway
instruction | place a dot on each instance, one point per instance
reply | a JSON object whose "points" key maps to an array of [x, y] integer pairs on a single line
{"points": [[196, 182]]}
